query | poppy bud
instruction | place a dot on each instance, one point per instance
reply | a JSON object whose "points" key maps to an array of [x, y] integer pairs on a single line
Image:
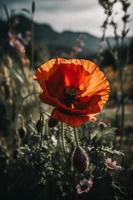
{"points": [[39, 125], [22, 132], [102, 126], [80, 159], [52, 122]]}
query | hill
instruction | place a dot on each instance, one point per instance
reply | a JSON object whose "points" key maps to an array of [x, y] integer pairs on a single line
{"points": [[44, 35]]}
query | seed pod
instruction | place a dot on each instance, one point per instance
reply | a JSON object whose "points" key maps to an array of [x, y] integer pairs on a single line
{"points": [[22, 132], [52, 122], [80, 159]]}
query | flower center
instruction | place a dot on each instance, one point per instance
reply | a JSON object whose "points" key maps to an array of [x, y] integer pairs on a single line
{"points": [[71, 91], [69, 95], [84, 186]]}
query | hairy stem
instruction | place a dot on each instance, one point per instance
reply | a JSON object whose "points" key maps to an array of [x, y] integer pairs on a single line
{"points": [[62, 140], [76, 137]]}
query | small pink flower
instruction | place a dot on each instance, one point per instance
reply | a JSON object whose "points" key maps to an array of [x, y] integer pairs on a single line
{"points": [[112, 165], [84, 186], [14, 41], [19, 46]]}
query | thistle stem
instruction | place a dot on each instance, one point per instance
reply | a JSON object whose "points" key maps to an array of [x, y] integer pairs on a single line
{"points": [[76, 137], [62, 139]]}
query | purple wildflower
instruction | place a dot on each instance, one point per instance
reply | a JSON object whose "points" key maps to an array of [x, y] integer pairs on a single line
{"points": [[112, 165], [84, 185]]}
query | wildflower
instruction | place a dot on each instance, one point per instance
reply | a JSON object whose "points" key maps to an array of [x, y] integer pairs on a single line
{"points": [[76, 88], [112, 165], [80, 159], [15, 42], [84, 186]]}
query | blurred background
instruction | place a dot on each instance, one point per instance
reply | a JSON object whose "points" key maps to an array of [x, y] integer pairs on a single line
{"points": [[32, 32]]}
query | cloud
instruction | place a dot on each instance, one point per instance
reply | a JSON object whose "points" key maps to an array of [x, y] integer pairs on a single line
{"points": [[83, 20], [66, 5], [76, 15]]}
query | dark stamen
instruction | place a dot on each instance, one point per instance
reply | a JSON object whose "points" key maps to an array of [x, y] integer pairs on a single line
{"points": [[72, 91], [69, 96]]}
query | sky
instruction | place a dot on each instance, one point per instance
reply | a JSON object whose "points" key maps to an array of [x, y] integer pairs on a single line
{"points": [[75, 15]]}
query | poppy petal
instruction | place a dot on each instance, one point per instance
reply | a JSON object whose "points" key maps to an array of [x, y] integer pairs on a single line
{"points": [[71, 111], [72, 120], [89, 84]]}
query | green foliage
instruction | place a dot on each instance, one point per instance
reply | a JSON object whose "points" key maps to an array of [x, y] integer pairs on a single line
{"points": [[36, 162]]}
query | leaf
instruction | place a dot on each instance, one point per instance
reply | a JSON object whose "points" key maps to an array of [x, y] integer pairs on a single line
{"points": [[110, 130], [94, 134], [125, 18], [124, 33], [106, 137], [6, 11], [112, 151], [17, 76]]}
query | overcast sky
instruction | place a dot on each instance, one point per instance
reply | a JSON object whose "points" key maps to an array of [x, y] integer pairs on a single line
{"points": [[75, 15]]}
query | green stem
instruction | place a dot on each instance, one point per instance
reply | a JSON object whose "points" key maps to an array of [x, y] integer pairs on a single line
{"points": [[76, 137], [42, 131], [62, 140]]}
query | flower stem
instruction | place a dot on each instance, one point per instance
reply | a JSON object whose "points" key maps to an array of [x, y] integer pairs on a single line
{"points": [[42, 131], [62, 139], [76, 137]]}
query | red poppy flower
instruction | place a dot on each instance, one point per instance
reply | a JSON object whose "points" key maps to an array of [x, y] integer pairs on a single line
{"points": [[76, 88]]}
